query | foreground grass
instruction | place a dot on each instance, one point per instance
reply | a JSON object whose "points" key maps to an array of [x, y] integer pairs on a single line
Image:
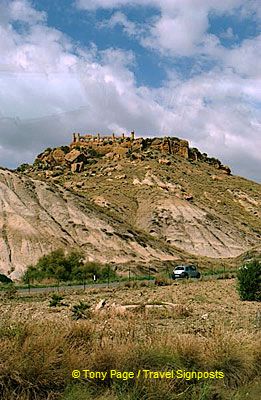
{"points": [[211, 329], [37, 361]]}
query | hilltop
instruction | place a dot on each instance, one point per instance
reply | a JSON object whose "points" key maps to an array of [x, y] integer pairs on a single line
{"points": [[125, 200], [83, 150]]}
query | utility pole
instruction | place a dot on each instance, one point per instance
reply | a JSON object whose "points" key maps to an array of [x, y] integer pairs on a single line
{"points": [[29, 286]]}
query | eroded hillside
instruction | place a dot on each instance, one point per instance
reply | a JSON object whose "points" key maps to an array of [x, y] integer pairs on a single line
{"points": [[126, 200], [162, 187], [36, 217]]}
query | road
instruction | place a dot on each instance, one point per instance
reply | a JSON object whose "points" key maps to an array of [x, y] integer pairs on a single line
{"points": [[62, 288]]}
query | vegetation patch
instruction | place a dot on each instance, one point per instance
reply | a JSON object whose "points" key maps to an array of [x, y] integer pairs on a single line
{"points": [[249, 281], [59, 267]]}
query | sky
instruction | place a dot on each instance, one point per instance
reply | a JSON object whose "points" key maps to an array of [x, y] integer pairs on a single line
{"points": [[185, 68]]}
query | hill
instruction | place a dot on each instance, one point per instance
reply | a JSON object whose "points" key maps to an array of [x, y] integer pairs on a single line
{"points": [[127, 200]]}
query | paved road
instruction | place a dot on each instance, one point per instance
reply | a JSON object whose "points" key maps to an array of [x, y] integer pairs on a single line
{"points": [[65, 288], [62, 288]]}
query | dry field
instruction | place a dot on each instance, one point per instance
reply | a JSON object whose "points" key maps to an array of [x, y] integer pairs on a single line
{"points": [[205, 328]]}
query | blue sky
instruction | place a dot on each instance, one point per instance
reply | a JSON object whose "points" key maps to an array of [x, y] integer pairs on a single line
{"points": [[186, 68]]}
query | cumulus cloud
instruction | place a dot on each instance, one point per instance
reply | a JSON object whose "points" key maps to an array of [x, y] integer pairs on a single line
{"points": [[181, 28], [245, 58], [216, 113], [120, 19], [21, 10], [50, 87]]}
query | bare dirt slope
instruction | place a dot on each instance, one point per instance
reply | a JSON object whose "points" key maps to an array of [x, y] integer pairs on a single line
{"points": [[36, 218]]}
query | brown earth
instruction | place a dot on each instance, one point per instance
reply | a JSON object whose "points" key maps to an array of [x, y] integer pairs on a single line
{"points": [[201, 306]]}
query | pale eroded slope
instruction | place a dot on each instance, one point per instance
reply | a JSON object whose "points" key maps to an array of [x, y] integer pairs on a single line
{"points": [[36, 218]]}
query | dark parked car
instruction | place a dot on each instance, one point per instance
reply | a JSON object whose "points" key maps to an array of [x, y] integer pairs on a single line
{"points": [[185, 271]]}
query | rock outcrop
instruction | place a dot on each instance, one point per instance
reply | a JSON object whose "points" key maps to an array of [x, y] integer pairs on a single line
{"points": [[84, 149]]}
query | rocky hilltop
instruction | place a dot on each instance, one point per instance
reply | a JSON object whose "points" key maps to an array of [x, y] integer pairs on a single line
{"points": [[126, 200], [83, 149]]}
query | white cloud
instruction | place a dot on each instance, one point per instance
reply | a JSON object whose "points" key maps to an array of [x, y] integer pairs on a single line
{"points": [[120, 19], [245, 58], [228, 34], [171, 6], [19, 10], [181, 27], [95, 4], [179, 35], [216, 112], [50, 88]]}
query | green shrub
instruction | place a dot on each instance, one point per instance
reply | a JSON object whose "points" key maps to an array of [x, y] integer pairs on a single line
{"points": [[249, 281], [56, 300], [81, 311], [63, 268], [10, 291], [5, 279], [65, 149], [55, 265], [89, 269], [23, 167]]}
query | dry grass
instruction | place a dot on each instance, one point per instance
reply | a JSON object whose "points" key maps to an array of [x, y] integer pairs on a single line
{"points": [[40, 347]]}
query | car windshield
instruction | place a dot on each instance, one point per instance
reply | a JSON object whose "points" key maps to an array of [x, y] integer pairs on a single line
{"points": [[179, 268]]}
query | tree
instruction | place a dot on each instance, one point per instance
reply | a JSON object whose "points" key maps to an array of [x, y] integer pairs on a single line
{"points": [[30, 275], [5, 279], [75, 263], [249, 281], [108, 273], [89, 269], [55, 265]]}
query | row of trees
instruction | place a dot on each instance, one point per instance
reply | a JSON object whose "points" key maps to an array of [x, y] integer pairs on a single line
{"points": [[71, 267]]}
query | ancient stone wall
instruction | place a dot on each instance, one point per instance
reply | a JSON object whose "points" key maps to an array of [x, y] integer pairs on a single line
{"points": [[84, 147], [122, 144], [89, 138]]}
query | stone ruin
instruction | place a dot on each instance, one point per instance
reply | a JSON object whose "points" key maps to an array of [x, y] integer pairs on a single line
{"points": [[84, 147], [77, 138], [123, 144]]}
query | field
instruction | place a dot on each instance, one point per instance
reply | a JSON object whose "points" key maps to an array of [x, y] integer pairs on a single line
{"points": [[203, 328]]}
